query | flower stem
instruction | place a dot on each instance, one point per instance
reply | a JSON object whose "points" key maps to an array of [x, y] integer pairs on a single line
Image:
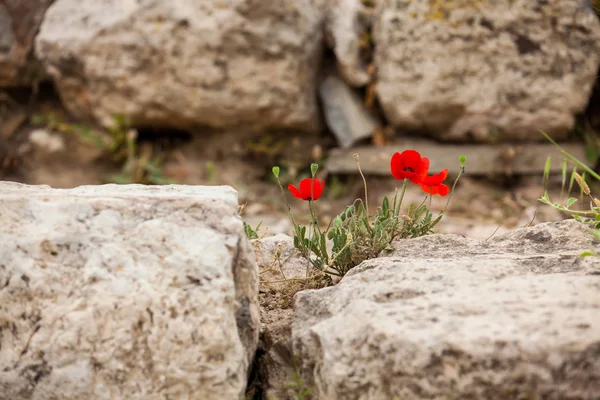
{"points": [[356, 158], [397, 209], [462, 170], [289, 207], [404, 186], [310, 238]]}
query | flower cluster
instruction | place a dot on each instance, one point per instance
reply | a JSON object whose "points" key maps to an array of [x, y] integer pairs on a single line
{"points": [[356, 235], [406, 165], [410, 165]]}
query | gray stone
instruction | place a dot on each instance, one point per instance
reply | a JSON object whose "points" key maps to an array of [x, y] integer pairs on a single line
{"points": [[345, 113], [447, 317], [482, 159], [278, 261], [19, 23], [282, 272], [279, 264], [346, 24], [184, 63], [486, 70], [125, 291]]}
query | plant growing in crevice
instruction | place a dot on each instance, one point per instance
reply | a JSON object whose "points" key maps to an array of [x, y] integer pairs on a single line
{"points": [[298, 386], [591, 216], [138, 162], [356, 235]]}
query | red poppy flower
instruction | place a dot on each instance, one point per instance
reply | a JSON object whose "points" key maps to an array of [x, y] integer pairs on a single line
{"points": [[305, 192], [409, 165], [433, 184]]}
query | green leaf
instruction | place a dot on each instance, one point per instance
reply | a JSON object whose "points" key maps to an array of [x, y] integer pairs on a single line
{"points": [[324, 248], [361, 209], [385, 207], [572, 179], [571, 201], [586, 254], [547, 167]]}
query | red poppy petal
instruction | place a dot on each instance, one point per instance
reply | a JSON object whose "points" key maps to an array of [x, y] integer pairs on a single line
{"points": [[410, 158], [428, 189], [317, 189], [305, 188], [396, 166], [294, 191], [430, 181], [423, 168], [444, 174], [443, 190]]}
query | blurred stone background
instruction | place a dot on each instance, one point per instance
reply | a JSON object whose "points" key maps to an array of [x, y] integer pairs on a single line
{"points": [[217, 92]]}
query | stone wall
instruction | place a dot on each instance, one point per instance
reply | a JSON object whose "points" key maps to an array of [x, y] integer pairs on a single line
{"points": [[468, 70]]}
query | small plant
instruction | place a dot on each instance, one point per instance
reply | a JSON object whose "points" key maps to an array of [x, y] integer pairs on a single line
{"points": [[211, 172], [52, 122], [300, 392], [139, 165], [250, 232], [355, 235], [591, 216]]}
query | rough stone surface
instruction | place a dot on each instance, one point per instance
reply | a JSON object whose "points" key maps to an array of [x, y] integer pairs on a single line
{"points": [[127, 292], [19, 23], [347, 22], [486, 70], [278, 261], [446, 317], [345, 112], [185, 63]]}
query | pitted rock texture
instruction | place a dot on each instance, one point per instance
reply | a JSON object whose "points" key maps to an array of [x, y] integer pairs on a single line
{"points": [[185, 63], [281, 269], [445, 317], [486, 70], [347, 24], [19, 23], [125, 292]]}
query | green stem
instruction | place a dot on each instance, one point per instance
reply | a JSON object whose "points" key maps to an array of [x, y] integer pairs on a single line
{"points": [[397, 209], [313, 215], [571, 157], [364, 183], [306, 252], [462, 170], [310, 238], [287, 204], [404, 186]]}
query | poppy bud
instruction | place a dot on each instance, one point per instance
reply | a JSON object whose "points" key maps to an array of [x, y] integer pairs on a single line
{"points": [[276, 171], [314, 168], [337, 222]]}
